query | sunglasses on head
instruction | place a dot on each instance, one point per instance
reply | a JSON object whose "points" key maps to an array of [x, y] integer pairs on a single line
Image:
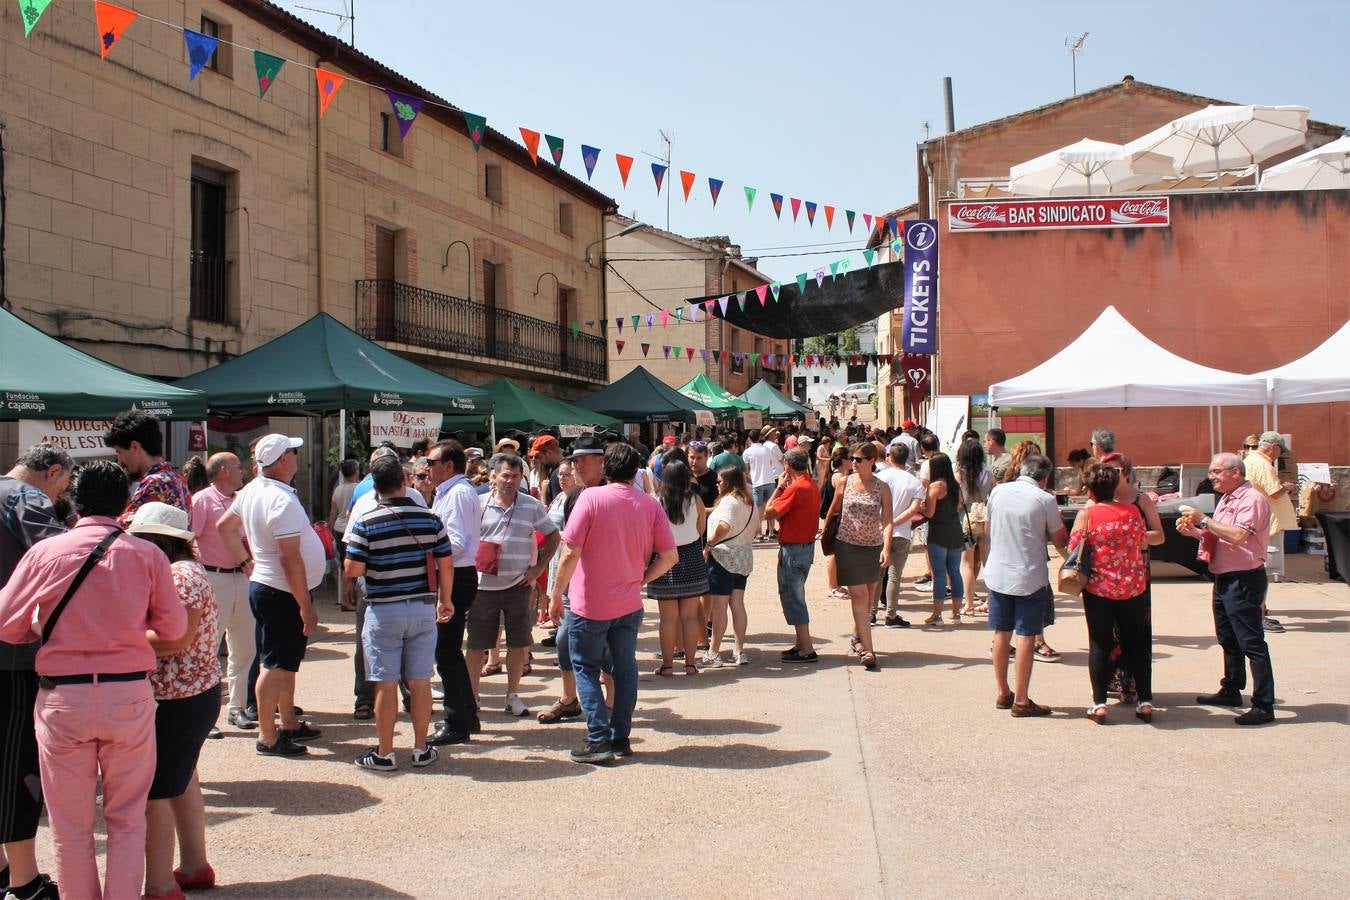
{"points": [[698, 445]]}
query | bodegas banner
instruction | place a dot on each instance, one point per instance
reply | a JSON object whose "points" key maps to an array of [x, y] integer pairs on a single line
{"points": [[401, 428], [1042, 215], [921, 299]]}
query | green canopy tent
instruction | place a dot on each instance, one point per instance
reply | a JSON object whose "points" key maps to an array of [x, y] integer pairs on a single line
{"points": [[517, 407], [42, 378], [711, 394], [762, 393], [641, 397]]}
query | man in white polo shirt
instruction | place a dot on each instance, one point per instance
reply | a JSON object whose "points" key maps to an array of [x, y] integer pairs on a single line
{"points": [[907, 496], [288, 562]]}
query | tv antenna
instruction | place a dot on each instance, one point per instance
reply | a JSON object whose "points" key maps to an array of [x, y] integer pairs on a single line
{"points": [[1074, 44], [345, 18], [669, 139]]}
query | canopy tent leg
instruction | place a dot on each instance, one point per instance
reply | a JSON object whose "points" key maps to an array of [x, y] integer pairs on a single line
{"points": [[342, 454], [1210, 410], [1219, 429], [1265, 417], [492, 430]]}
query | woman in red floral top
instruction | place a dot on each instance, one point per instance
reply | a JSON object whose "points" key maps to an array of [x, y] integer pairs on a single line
{"points": [[186, 682], [1116, 596]]}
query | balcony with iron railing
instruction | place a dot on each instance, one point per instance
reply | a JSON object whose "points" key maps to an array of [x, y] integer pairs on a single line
{"points": [[396, 313]]}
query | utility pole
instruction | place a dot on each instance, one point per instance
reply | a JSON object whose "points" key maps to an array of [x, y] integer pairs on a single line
{"points": [[1074, 44]]}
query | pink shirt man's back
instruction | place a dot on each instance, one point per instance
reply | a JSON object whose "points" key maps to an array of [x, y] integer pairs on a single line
{"points": [[208, 505], [103, 627], [617, 528]]}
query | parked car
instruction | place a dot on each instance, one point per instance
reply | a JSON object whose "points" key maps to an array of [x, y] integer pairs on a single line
{"points": [[860, 389]]}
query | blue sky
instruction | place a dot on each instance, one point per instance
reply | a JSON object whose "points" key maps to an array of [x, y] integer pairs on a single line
{"points": [[822, 101]]}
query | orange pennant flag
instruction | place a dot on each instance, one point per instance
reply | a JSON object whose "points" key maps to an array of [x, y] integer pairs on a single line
{"points": [[687, 179], [531, 139], [112, 21], [328, 82], [625, 163], [829, 217]]}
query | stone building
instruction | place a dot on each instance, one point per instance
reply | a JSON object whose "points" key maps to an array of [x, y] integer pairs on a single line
{"points": [[648, 270]]}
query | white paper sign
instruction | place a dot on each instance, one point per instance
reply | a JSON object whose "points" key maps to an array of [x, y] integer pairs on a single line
{"points": [[402, 428], [575, 431], [811, 421], [947, 419], [81, 438], [1317, 473], [704, 417], [752, 419]]}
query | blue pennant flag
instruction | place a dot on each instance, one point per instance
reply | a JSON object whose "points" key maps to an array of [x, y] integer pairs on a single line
{"points": [[589, 155], [200, 48]]}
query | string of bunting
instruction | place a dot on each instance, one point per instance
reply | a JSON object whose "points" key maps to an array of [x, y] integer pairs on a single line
{"points": [[807, 360], [113, 20]]}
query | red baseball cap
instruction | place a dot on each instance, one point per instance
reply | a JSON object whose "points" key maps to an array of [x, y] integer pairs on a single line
{"points": [[543, 442]]}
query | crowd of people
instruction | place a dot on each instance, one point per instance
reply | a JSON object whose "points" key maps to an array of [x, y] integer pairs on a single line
{"points": [[120, 581]]}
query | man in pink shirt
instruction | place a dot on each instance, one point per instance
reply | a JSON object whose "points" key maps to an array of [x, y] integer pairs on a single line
{"points": [[1233, 541], [610, 536], [95, 713]]}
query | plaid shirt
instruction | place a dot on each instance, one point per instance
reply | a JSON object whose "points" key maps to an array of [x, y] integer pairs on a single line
{"points": [[161, 483]]}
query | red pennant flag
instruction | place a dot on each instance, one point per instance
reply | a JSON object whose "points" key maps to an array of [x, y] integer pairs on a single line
{"points": [[763, 292], [625, 163], [328, 82], [645, 347], [618, 346], [708, 304], [867, 220], [531, 139], [665, 317], [687, 179], [689, 354], [829, 218], [112, 21], [796, 206]]}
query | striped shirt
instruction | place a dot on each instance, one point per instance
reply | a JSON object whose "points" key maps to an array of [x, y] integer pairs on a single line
{"points": [[392, 540], [514, 529]]}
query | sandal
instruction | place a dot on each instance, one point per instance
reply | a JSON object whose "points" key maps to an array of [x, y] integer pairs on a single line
{"points": [[934, 619], [868, 660], [664, 671], [1144, 711], [691, 670], [527, 670], [1045, 653], [956, 618], [494, 669], [364, 712], [855, 645], [1097, 713]]}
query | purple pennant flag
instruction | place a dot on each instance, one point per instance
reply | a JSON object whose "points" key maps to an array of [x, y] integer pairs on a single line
{"points": [[665, 348], [693, 313], [618, 320], [820, 276], [649, 319], [589, 155], [405, 107], [703, 353]]}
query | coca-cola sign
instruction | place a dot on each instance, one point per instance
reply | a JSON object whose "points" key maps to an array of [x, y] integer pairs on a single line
{"points": [[1038, 215]]}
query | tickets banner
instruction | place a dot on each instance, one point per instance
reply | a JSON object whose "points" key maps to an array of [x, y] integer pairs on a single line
{"points": [[1042, 215], [403, 428], [919, 332]]}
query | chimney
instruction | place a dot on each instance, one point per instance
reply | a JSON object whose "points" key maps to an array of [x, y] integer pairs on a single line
{"points": [[947, 103]]}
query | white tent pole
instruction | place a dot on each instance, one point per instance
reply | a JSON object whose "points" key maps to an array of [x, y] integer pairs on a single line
{"points": [[1220, 430], [492, 429], [1210, 410]]}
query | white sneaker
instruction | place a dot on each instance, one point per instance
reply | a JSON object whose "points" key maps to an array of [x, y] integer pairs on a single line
{"points": [[437, 692], [515, 706], [742, 659], [710, 661], [424, 756]]}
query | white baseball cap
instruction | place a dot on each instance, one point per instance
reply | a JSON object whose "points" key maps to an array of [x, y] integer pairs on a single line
{"points": [[274, 446], [160, 518]]}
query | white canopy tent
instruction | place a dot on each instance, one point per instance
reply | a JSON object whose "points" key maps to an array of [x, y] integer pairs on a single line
{"points": [[1320, 376]]}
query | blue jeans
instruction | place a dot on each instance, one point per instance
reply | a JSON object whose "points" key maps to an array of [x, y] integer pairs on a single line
{"points": [[946, 565], [587, 640], [794, 564]]}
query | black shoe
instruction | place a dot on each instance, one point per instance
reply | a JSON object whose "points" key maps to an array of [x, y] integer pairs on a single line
{"points": [[40, 888], [1257, 715], [477, 727], [594, 752], [873, 618], [622, 746], [303, 731], [1222, 698], [551, 640], [283, 747], [796, 656], [242, 719], [897, 622], [214, 734], [445, 735]]}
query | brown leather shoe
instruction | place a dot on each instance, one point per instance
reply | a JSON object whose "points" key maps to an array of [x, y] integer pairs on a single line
{"points": [[1030, 708], [1004, 701]]}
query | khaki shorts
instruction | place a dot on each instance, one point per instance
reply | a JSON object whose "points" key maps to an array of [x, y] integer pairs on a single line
{"points": [[490, 609]]}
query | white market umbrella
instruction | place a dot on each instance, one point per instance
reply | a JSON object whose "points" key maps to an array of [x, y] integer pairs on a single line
{"points": [[1224, 137], [1321, 168], [1088, 167]]}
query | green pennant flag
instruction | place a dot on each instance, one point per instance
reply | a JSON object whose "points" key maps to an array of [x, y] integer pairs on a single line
{"points": [[636, 320], [750, 198], [754, 359], [843, 265], [740, 298], [32, 10], [477, 126], [834, 270], [679, 313], [676, 351], [268, 67], [848, 214], [576, 329], [555, 148], [603, 323], [775, 287], [801, 284], [869, 254]]}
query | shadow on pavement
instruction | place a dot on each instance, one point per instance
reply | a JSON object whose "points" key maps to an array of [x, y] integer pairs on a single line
{"points": [[1179, 711], [309, 886], [725, 756], [303, 796]]}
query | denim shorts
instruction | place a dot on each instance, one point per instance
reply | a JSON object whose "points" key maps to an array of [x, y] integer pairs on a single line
{"points": [[1024, 614], [762, 494], [794, 564], [399, 640], [721, 582]]}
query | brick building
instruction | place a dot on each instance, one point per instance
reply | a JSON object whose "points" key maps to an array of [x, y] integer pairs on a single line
{"points": [[649, 270], [164, 224]]}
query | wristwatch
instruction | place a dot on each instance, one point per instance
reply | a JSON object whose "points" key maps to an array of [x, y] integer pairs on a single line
{"points": [[1203, 523]]}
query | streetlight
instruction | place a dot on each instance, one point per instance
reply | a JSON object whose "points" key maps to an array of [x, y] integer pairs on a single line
{"points": [[628, 229]]}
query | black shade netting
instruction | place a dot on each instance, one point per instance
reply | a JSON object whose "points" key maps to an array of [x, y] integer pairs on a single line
{"points": [[837, 304]]}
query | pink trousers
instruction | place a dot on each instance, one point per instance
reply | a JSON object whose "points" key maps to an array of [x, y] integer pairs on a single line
{"points": [[84, 730]]}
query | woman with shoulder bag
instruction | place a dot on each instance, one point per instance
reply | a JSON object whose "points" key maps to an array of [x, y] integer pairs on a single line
{"points": [[1116, 595], [840, 468], [946, 540], [680, 590], [730, 528], [1122, 682], [975, 481], [862, 546]]}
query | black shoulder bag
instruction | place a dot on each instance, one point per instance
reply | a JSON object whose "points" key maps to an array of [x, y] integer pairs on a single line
{"points": [[75, 583]]}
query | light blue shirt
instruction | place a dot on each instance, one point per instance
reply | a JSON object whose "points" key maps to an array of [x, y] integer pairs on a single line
{"points": [[456, 502], [1023, 518]]}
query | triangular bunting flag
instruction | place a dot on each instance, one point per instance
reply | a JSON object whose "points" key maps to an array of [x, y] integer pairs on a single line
{"points": [[665, 317], [665, 348], [679, 314], [687, 179], [618, 321], [649, 320], [834, 271], [777, 200], [689, 354], [32, 10], [618, 346], [714, 189], [843, 265], [531, 139], [576, 329], [740, 300], [703, 353], [328, 82], [848, 215], [796, 207], [867, 220], [635, 320], [676, 350], [801, 284], [750, 198], [722, 302], [590, 323], [811, 213], [659, 173], [708, 304], [768, 360], [625, 163], [405, 107], [590, 156], [762, 291], [645, 347], [717, 355], [820, 276], [754, 359], [829, 218], [895, 250], [199, 49], [774, 288], [112, 21], [555, 148], [894, 226], [693, 313], [603, 325], [268, 67], [477, 126], [868, 255]]}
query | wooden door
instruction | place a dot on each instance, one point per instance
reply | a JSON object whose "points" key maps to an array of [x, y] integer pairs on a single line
{"points": [[385, 315]]}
